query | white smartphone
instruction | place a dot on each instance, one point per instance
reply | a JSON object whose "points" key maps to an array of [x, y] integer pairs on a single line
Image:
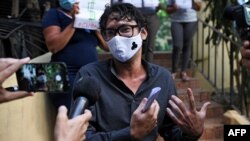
{"points": [[154, 93]]}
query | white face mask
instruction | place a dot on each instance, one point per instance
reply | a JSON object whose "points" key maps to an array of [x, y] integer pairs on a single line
{"points": [[124, 48]]}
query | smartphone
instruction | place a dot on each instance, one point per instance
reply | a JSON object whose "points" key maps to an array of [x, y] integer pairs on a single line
{"points": [[152, 96], [43, 77]]}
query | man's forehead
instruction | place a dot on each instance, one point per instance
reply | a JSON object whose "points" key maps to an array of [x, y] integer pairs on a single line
{"points": [[116, 16], [114, 19]]}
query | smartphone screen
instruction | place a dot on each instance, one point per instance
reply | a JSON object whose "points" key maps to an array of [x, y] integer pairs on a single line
{"points": [[46, 77]]}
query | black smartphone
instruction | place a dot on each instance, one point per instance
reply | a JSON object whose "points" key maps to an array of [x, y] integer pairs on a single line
{"points": [[43, 77]]}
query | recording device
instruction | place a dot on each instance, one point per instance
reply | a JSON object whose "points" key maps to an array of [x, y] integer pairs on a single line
{"points": [[43, 77], [154, 93], [86, 92], [241, 15]]}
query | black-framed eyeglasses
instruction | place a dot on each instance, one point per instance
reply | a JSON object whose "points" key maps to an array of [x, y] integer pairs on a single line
{"points": [[123, 30]]}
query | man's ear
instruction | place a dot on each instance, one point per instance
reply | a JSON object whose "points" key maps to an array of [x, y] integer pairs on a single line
{"points": [[144, 33]]}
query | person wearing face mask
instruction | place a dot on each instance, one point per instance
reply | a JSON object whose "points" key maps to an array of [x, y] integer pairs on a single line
{"points": [[126, 82], [149, 11], [74, 46]]}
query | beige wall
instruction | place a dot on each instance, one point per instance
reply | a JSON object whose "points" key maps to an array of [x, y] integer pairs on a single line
{"points": [[28, 119]]}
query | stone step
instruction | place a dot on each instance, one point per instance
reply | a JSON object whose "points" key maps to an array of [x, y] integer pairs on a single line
{"points": [[213, 129], [200, 95], [163, 59], [193, 84], [190, 72]]}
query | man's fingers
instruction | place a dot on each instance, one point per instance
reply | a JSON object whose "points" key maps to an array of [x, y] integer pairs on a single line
{"points": [[12, 66], [62, 113], [175, 109], [179, 103], [25, 60], [156, 109], [83, 118], [143, 102], [62, 110], [20, 94], [15, 95], [191, 99], [204, 108], [172, 116], [5, 62], [87, 115]]}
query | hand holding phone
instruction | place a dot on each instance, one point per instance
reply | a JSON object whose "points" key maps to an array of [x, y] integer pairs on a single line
{"points": [[154, 93]]}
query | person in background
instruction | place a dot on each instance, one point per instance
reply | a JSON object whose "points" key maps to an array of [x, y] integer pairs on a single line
{"points": [[153, 23], [65, 129], [126, 80], [74, 46], [183, 17], [245, 53]]}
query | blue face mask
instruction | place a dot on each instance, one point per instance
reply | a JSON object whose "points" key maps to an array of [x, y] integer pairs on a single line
{"points": [[66, 4]]}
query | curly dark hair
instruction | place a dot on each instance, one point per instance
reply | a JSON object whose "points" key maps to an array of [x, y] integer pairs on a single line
{"points": [[125, 11]]}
